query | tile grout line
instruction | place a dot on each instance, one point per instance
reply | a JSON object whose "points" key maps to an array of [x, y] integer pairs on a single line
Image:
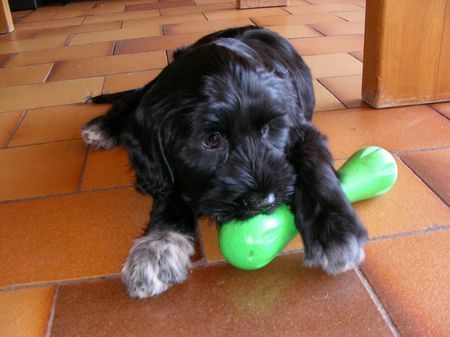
{"points": [[336, 15], [162, 30], [253, 22], [62, 283], [440, 113], [14, 131], [103, 85], [12, 56], [310, 25], [83, 168], [114, 46], [423, 181], [45, 143], [331, 92], [330, 36], [379, 305], [166, 56], [359, 5], [202, 263], [69, 39], [201, 243], [66, 194], [51, 319], [58, 81], [49, 72], [350, 53], [410, 234], [425, 149]]}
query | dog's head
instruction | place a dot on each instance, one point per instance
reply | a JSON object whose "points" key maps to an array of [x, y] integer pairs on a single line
{"points": [[216, 127]]}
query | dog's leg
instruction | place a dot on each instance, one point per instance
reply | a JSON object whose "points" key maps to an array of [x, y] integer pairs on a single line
{"points": [[161, 257], [105, 131], [331, 231], [100, 132]]}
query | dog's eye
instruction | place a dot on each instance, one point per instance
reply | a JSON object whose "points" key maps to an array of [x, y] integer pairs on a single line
{"points": [[265, 130], [213, 141]]}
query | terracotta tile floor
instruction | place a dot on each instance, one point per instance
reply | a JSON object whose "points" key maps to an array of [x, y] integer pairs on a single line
{"points": [[68, 213]]}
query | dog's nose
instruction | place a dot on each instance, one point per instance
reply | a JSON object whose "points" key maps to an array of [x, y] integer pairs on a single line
{"points": [[260, 204]]}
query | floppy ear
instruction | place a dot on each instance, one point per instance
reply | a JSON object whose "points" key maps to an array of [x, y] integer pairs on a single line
{"points": [[148, 156]]}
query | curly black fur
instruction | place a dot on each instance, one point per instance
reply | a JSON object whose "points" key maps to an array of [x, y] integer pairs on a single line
{"points": [[225, 131]]}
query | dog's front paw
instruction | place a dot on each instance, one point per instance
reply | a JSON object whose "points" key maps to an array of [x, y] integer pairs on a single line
{"points": [[337, 257], [156, 261]]}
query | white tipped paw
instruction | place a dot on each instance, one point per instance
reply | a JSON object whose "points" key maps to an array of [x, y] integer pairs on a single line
{"points": [[156, 261], [97, 137], [338, 257]]}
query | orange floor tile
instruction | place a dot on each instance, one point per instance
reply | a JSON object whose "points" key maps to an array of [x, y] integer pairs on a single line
{"points": [[410, 275], [329, 44], [90, 67], [206, 27], [24, 75], [325, 8], [61, 54], [346, 88], [115, 35], [443, 108], [331, 65], [325, 99], [341, 28], [432, 167], [29, 311], [4, 58], [397, 129], [76, 236], [31, 44], [53, 124], [94, 27], [155, 43], [49, 94], [126, 81], [115, 162], [280, 300], [69, 214], [295, 31]]}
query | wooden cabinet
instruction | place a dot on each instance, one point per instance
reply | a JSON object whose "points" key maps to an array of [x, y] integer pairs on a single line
{"points": [[406, 52]]}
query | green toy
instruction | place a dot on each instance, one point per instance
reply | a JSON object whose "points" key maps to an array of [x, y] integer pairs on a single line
{"points": [[253, 243]]}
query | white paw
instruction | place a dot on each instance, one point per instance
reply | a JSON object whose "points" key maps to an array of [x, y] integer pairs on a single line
{"points": [[156, 261], [338, 257], [94, 135]]}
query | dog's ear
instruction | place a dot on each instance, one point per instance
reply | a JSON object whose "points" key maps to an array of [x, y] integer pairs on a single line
{"points": [[148, 156]]}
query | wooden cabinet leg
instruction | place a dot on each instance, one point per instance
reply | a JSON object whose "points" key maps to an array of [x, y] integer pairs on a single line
{"points": [[6, 21]]}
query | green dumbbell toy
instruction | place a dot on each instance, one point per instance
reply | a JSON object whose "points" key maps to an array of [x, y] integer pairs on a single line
{"points": [[253, 243]]}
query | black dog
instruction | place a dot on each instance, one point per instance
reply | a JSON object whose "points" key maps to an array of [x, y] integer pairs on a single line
{"points": [[225, 131]]}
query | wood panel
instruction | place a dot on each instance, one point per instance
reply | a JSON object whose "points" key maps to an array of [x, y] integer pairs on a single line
{"points": [[443, 82], [406, 54]]}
